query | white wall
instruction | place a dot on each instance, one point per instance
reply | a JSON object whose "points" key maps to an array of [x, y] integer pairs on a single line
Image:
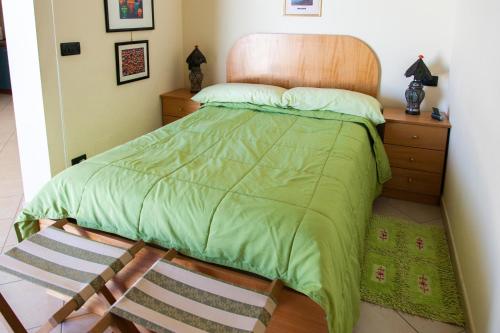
{"points": [[98, 114], [48, 58], [472, 190], [388, 26], [27, 94]]}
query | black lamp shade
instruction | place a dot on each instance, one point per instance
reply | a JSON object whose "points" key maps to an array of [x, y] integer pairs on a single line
{"points": [[196, 58], [419, 71]]}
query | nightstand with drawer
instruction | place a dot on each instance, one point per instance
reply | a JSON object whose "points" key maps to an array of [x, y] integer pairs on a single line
{"points": [[177, 104], [417, 147]]}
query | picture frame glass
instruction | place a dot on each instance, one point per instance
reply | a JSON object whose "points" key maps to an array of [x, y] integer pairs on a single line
{"points": [[132, 63], [129, 15], [303, 7]]}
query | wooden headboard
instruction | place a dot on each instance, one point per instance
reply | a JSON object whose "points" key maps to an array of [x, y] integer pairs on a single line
{"points": [[324, 61]]}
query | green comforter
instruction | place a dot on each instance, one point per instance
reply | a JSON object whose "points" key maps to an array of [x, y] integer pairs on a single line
{"points": [[285, 194]]}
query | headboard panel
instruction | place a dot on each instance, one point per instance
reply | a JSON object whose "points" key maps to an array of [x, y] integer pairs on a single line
{"points": [[325, 61]]}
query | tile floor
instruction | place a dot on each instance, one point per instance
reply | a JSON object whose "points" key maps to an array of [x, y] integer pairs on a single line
{"points": [[374, 319]]}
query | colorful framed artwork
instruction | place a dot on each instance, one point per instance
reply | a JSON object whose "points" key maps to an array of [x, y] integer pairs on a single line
{"points": [[303, 7], [132, 61], [129, 15]]}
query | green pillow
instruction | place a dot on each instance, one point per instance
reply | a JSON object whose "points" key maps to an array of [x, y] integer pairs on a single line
{"points": [[258, 94], [335, 100]]}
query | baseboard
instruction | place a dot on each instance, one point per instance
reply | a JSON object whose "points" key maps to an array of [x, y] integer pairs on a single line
{"points": [[470, 326]]}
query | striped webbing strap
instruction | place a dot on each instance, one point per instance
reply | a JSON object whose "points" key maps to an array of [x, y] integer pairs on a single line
{"points": [[66, 263], [170, 298]]}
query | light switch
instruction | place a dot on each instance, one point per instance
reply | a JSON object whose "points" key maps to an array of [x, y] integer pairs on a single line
{"points": [[68, 49]]}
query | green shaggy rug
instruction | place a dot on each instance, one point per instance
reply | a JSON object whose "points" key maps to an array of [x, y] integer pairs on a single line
{"points": [[407, 267]]}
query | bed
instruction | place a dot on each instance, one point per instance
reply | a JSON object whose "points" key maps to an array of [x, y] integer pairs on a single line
{"points": [[278, 193]]}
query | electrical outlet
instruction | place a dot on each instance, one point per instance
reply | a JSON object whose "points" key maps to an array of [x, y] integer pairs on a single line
{"points": [[68, 49], [79, 159]]}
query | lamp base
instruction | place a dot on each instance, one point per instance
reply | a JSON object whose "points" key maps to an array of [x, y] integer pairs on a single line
{"points": [[415, 94], [196, 78], [413, 112]]}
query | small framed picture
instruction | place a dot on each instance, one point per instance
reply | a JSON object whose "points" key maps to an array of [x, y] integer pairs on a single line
{"points": [[129, 15], [132, 61], [303, 7]]}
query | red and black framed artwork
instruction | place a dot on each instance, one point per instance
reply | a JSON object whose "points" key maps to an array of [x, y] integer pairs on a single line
{"points": [[132, 61]]}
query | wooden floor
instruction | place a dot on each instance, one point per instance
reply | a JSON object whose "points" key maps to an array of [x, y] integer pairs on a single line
{"points": [[295, 313]]}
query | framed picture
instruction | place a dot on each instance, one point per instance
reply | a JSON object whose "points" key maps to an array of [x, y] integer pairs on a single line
{"points": [[132, 61], [303, 7], [129, 15]]}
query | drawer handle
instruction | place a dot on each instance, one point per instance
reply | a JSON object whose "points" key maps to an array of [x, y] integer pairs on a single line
{"points": [[410, 180], [412, 159], [415, 137], [180, 109]]}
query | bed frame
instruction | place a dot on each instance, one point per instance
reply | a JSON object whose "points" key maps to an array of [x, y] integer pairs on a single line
{"points": [[327, 61], [324, 61]]}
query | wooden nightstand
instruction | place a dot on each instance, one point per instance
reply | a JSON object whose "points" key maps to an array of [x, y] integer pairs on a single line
{"points": [[177, 104], [417, 147]]}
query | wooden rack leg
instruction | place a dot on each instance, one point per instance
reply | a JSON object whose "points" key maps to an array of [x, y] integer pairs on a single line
{"points": [[275, 288], [110, 320], [59, 316], [171, 254], [102, 324], [60, 224], [133, 250], [10, 316], [107, 295], [136, 247], [124, 325]]}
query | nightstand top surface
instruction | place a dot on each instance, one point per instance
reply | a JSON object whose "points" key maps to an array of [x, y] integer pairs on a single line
{"points": [[182, 93], [398, 115]]}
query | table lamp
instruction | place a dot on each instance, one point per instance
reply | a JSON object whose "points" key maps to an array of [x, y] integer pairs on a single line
{"points": [[415, 93], [195, 59]]}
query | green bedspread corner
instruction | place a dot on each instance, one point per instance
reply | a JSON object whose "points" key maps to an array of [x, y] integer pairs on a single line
{"points": [[281, 193]]}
